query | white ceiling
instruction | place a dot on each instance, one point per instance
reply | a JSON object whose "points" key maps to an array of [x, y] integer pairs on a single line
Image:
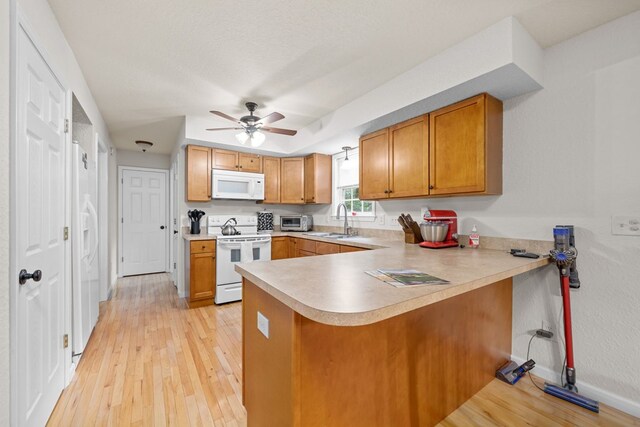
{"points": [[148, 63]]}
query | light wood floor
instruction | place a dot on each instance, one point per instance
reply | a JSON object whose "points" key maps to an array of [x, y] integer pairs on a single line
{"points": [[152, 361]]}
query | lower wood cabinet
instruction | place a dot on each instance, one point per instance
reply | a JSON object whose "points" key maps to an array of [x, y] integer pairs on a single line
{"points": [[279, 248], [200, 272], [294, 247]]}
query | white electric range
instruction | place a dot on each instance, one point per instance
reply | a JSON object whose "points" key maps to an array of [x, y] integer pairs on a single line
{"points": [[248, 246]]}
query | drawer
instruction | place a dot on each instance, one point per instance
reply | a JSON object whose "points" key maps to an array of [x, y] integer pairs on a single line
{"points": [[323, 248], [303, 253], [306, 245], [203, 246], [347, 248]]}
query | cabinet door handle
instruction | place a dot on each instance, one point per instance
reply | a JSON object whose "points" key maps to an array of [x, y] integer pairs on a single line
{"points": [[431, 187], [386, 191]]}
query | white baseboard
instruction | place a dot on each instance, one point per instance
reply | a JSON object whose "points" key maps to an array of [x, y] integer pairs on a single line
{"points": [[588, 390]]}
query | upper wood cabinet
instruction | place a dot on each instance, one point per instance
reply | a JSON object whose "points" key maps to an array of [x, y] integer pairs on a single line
{"points": [[248, 162], [454, 150], [409, 158], [317, 178], [292, 180], [394, 162], [271, 170], [224, 159], [374, 165], [466, 147], [198, 173]]}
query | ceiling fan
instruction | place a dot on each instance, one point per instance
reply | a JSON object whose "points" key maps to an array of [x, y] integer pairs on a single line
{"points": [[253, 126]]}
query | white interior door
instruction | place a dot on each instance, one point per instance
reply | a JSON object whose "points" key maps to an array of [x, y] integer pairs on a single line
{"points": [[144, 221], [39, 231]]}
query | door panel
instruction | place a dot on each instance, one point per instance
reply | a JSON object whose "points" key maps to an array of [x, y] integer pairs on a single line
{"points": [[224, 159], [271, 167], [374, 166], [144, 212], [410, 158], [250, 163], [457, 148], [40, 245], [292, 184]]}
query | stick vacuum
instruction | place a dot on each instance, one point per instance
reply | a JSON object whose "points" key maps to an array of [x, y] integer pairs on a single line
{"points": [[564, 255]]}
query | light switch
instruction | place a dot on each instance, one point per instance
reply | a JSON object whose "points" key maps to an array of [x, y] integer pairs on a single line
{"points": [[625, 225], [263, 325]]}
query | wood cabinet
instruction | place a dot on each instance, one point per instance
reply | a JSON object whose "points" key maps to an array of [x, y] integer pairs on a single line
{"points": [[374, 165], [323, 248], [346, 248], [409, 158], [394, 162], [279, 248], [224, 159], [455, 150], [200, 273], [235, 161], [292, 180], [198, 166], [271, 170], [466, 147], [317, 179], [293, 243], [248, 162]]}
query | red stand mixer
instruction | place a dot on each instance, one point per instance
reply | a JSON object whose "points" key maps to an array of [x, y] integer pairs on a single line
{"points": [[439, 229]]}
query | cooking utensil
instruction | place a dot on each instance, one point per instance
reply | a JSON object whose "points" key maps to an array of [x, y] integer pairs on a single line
{"points": [[434, 231], [228, 229]]}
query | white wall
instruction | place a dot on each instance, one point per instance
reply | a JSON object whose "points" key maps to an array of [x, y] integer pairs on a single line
{"points": [[571, 153], [4, 211], [143, 160]]}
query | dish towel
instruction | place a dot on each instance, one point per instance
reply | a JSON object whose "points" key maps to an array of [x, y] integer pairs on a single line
{"points": [[246, 252]]}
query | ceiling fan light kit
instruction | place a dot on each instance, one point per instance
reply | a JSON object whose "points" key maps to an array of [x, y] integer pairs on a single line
{"points": [[254, 126]]}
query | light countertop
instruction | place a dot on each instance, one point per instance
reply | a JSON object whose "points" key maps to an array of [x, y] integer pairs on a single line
{"points": [[335, 290]]}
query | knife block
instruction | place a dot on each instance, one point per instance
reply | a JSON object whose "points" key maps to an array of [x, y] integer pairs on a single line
{"points": [[410, 238]]}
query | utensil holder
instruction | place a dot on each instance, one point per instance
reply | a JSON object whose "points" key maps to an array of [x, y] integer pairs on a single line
{"points": [[195, 227], [410, 238]]}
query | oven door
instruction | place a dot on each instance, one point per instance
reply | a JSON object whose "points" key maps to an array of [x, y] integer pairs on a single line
{"points": [[229, 253]]}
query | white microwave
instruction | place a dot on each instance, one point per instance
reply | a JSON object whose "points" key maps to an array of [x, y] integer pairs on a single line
{"points": [[237, 185]]}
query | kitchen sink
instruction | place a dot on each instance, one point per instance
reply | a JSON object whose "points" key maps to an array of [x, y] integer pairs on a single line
{"points": [[329, 235]]}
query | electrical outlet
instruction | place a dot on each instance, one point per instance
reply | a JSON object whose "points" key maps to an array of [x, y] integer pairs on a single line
{"points": [[625, 225], [380, 219], [391, 220], [423, 211], [263, 325]]}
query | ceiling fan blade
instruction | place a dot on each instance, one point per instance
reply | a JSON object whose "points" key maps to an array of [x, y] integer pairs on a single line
{"points": [[279, 130], [225, 116], [273, 117], [226, 129]]}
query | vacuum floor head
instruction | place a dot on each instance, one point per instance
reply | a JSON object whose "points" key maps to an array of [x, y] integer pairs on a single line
{"points": [[572, 397]]}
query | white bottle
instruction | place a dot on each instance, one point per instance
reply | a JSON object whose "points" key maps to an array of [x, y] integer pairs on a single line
{"points": [[474, 238]]}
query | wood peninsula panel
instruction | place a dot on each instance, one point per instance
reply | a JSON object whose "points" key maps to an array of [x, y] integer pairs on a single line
{"points": [[347, 248], [412, 369]]}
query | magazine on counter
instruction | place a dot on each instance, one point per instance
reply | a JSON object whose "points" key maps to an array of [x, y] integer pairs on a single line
{"points": [[400, 278]]}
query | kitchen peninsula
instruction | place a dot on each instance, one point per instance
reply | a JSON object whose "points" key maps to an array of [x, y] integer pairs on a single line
{"points": [[326, 344]]}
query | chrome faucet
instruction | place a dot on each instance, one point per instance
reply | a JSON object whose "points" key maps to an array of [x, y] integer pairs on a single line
{"points": [[346, 224]]}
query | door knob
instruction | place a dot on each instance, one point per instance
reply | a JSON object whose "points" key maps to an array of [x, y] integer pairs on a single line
{"points": [[162, 227], [175, 231], [24, 276]]}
